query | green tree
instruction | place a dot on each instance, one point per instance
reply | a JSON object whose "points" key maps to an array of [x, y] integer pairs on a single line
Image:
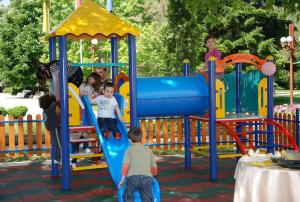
{"points": [[239, 26], [20, 44]]}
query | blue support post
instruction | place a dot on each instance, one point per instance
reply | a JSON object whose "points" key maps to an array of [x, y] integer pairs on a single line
{"points": [[270, 128], [64, 112], [187, 135], [270, 135], [186, 67], [199, 127], [297, 127], [238, 71], [114, 56], [132, 81], [212, 119], [52, 48], [54, 167]]}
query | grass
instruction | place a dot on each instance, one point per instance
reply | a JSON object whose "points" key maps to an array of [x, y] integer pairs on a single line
{"points": [[25, 157], [283, 97]]}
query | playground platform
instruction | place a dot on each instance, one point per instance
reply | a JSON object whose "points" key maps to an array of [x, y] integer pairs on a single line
{"points": [[32, 181]]}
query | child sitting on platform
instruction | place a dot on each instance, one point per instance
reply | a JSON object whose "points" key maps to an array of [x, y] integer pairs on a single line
{"points": [[107, 105]]}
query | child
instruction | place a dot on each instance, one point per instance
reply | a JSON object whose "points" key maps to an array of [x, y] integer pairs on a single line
{"points": [[107, 105], [90, 87], [139, 166], [49, 105], [212, 51]]}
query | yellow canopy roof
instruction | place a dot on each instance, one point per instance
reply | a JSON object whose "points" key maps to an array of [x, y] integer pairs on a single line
{"points": [[91, 21]]}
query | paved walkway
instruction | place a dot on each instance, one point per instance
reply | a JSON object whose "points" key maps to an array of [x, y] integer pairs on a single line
{"points": [[32, 181], [8, 101]]}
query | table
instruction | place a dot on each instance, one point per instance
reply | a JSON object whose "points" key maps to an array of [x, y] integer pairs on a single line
{"points": [[265, 184]]}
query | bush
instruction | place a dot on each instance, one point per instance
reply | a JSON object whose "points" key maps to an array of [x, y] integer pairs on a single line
{"points": [[3, 111], [17, 111]]}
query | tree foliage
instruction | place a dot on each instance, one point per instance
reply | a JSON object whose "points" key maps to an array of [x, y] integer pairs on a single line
{"points": [[20, 44], [168, 36], [239, 26]]}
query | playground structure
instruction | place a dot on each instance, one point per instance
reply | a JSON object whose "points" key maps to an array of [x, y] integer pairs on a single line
{"points": [[187, 96], [247, 131], [91, 21]]}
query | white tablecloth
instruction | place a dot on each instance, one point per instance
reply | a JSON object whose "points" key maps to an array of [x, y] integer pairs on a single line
{"points": [[265, 184]]}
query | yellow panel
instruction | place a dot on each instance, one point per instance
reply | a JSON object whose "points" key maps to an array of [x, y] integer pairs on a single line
{"points": [[89, 21], [124, 91], [74, 108], [262, 97], [220, 99]]}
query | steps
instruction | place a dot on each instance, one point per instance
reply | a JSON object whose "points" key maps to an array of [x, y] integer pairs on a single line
{"points": [[204, 151], [83, 155], [90, 167], [94, 140]]}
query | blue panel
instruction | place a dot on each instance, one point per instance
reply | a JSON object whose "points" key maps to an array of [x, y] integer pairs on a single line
{"points": [[170, 96]]}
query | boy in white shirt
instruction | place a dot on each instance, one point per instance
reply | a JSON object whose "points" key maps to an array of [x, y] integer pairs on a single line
{"points": [[107, 105]]}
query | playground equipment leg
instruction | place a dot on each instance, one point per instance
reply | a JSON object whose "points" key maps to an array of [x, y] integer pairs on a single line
{"points": [[132, 83], [64, 113], [54, 167], [270, 128], [212, 120], [187, 143], [114, 56]]}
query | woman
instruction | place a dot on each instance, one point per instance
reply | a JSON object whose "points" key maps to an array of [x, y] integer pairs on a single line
{"points": [[50, 71]]}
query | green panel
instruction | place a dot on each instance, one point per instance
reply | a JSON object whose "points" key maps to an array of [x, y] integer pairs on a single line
{"points": [[249, 82]]}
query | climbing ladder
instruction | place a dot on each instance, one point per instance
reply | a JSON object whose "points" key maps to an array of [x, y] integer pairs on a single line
{"points": [[249, 133], [96, 155]]}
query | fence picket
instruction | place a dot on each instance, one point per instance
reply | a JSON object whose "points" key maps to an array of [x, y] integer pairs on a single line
{"points": [[165, 134], [48, 141], [193, 132], [150, 131], [179, 133], [20, 135], [29, 134], [203, 131], [157, 133], [293, 121], [224, 135], [2, 137], [172, 128], [11, 144], [286, 126], [143, 127], [39, 135], [276, 131], [218, 134]]}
